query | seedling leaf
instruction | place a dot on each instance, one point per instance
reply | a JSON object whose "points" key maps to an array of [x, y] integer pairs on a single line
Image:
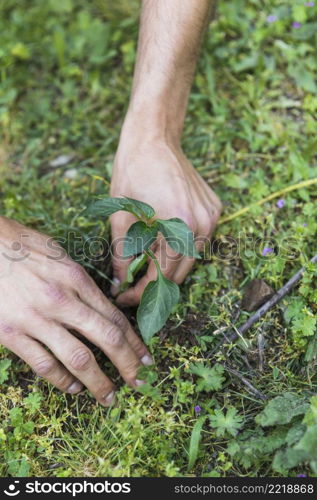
{"points": [[139, 238], [107, 206], [157, 302]]}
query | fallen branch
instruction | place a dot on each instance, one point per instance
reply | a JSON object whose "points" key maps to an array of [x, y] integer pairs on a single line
{"points": [[263, 309]]}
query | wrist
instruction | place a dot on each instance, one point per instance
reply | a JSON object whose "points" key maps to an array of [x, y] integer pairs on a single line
{"points": [[158, 111], [140, 141]]}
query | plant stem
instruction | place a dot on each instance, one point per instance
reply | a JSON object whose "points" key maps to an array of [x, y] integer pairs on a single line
{"points": [[263, 309]]}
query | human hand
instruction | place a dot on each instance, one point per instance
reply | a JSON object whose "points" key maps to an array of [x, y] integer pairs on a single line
{"points": [[159, 174], [45, 294]]}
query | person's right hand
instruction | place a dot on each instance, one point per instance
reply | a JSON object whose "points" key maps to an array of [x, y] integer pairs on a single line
{"points": [[44, 294]]}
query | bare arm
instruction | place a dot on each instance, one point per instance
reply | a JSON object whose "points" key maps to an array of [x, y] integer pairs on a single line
{"points": [[150, 164], [169, 43]]}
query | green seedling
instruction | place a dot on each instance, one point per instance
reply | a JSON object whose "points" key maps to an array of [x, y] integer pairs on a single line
{"points": [[160, 296]]}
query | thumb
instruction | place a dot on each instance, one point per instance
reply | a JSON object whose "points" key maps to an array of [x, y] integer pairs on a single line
{"points": [[120, 223]]}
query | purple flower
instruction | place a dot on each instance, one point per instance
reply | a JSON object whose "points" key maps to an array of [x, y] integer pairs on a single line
{"points": [[296, 25], [271, 18], [197, 409], [309, 4], [280, 203], [301, 475], [305, 224], [266, 251]]}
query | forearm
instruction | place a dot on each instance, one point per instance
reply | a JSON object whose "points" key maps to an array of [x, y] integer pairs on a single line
{"points": [[169, 42]]}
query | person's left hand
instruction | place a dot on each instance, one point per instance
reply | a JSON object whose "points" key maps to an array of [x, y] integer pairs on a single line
{"points": [[159, 174]]}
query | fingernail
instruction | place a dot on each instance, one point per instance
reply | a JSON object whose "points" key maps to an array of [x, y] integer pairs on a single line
{"points": [[147, 360], [116, 281], [75, 387], [138, 382], [110, 398]]}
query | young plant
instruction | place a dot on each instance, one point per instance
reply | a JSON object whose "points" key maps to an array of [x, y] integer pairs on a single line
{"points": [[161, 295], [210, 379]]}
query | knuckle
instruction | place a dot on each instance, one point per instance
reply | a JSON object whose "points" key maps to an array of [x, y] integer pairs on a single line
{"points": [[56, 294], [31, 312], [44, 366], [81, 358], [6, 328], [114, 336], [119, 319], [82, 313]]}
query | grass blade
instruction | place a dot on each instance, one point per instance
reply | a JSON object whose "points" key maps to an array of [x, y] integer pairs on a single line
{"points": [[194, 442]]}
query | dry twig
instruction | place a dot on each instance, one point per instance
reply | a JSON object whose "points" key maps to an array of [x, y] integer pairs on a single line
{"points": [[238, 332], [245, 381]]}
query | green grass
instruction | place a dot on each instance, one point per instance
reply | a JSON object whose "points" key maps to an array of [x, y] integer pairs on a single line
{"points": [[66, 69]]}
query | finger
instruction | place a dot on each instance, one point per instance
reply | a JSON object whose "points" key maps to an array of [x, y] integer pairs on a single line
{"points": [[132, 296], [187, 263], [77, 358], [92, 296], [46, 365], [183, 270], [168, 261], [120, 223], [117, 318], [167, 258], [104, 334], [212, 197], [207, 195]]}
